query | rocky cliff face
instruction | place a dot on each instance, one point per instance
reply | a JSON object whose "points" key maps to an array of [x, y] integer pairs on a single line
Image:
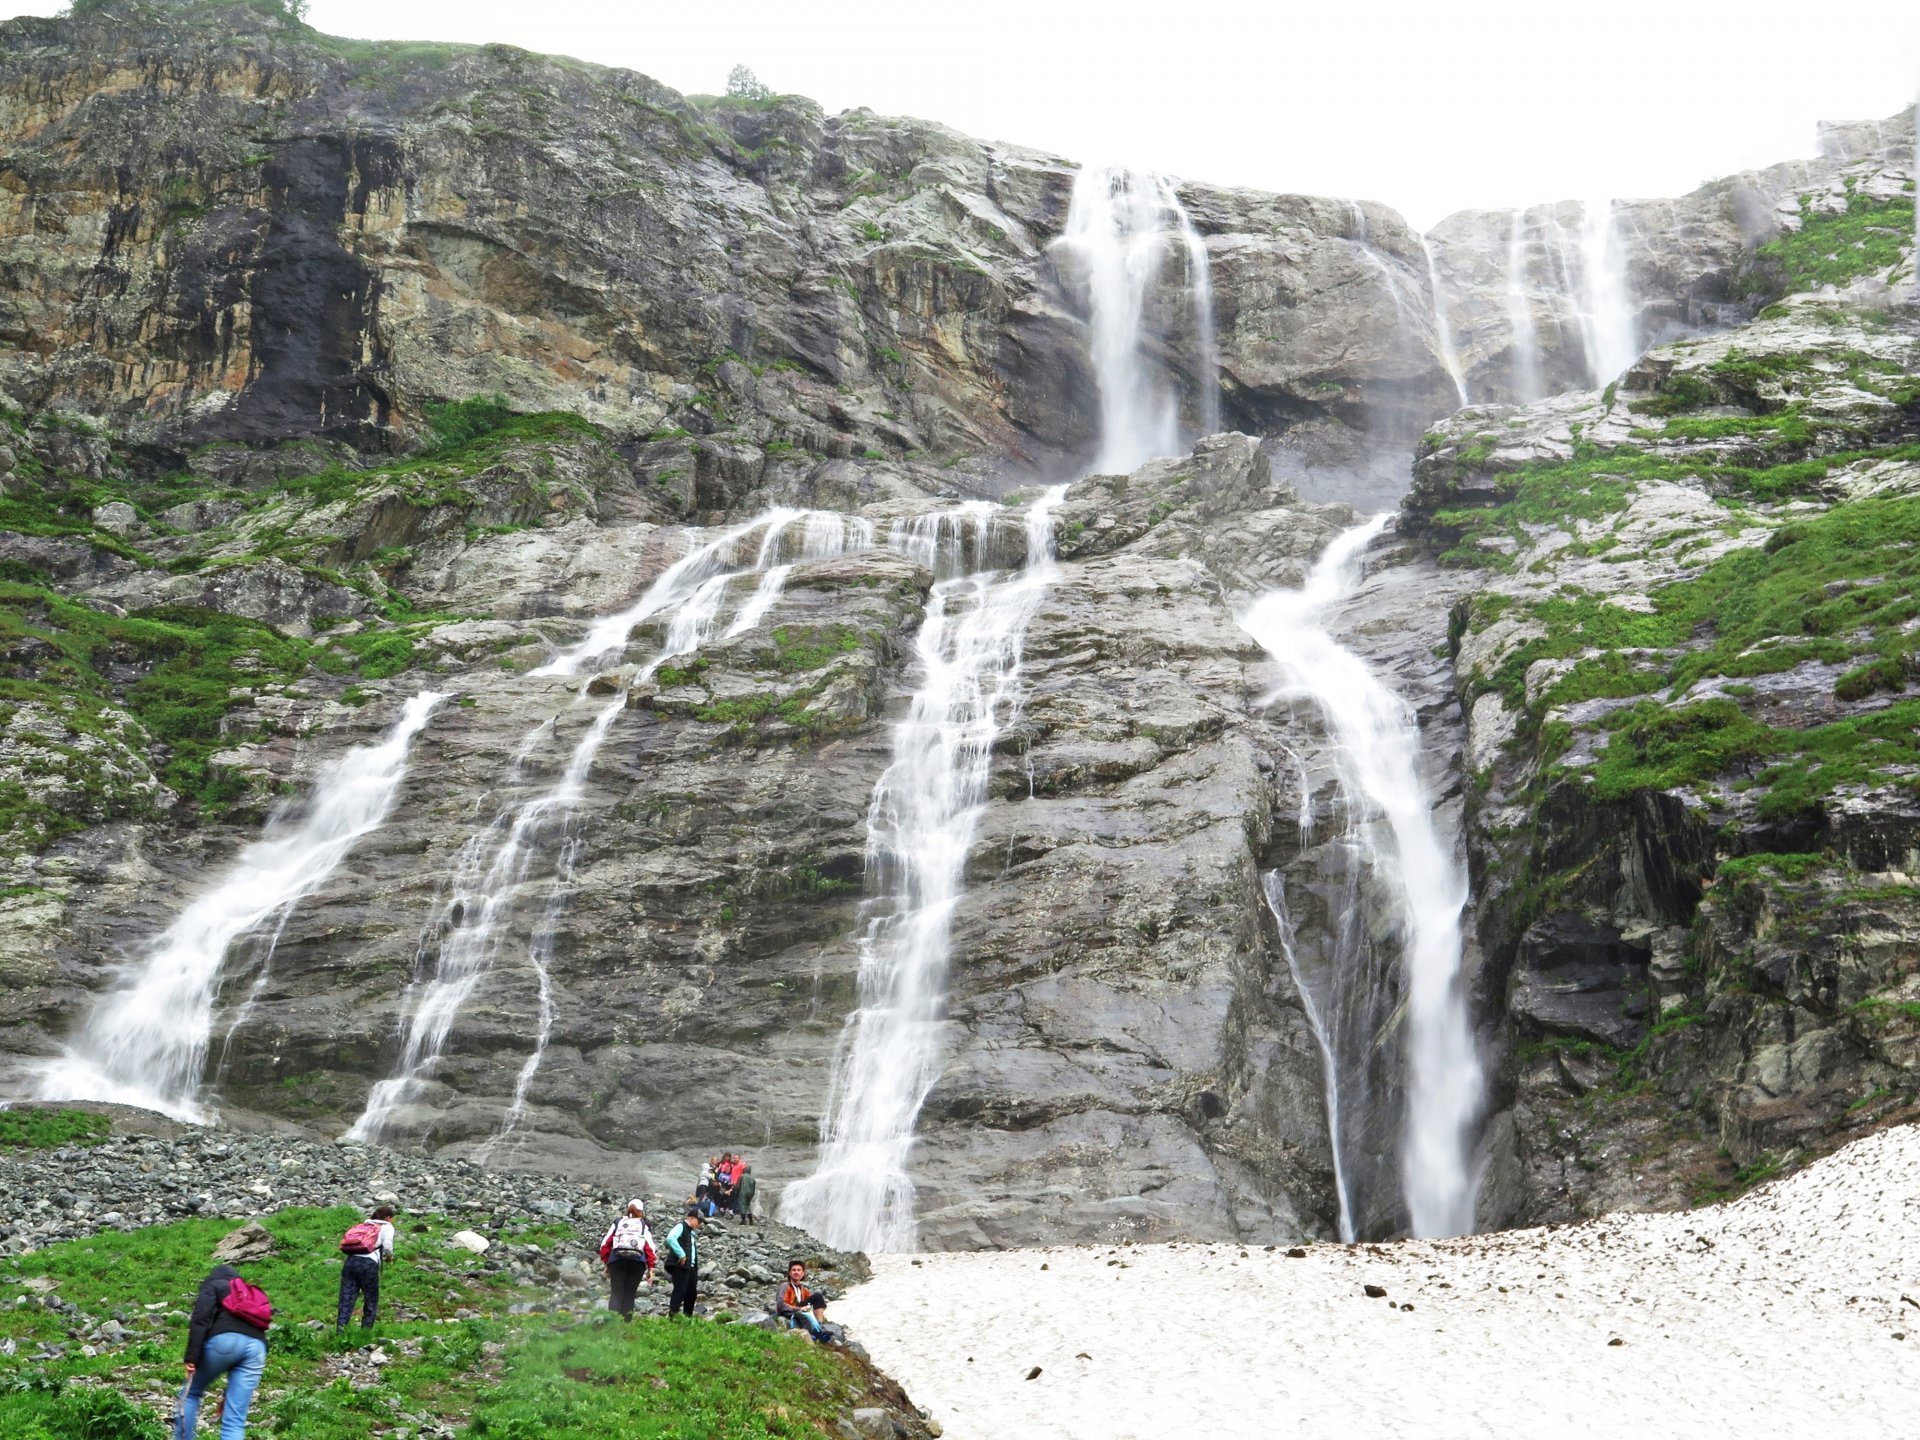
{"points": [[225, 228], [1526, 294], [335, 372], [1689, 675]]}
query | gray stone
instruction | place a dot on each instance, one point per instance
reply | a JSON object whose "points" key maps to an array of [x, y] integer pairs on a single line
{"points": [[249, 1243]]}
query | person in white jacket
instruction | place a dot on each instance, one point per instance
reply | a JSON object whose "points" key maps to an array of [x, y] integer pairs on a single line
{"points": [[627, 1252]]}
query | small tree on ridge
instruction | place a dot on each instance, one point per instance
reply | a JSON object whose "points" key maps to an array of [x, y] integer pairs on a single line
{"points": [[743, 84]]}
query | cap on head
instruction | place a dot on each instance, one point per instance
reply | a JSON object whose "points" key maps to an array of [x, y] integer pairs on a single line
{"points": [[637, 1206]]}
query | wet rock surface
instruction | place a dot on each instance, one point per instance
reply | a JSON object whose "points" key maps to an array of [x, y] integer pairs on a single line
{"points": [[263, 497], [1690, 696]]}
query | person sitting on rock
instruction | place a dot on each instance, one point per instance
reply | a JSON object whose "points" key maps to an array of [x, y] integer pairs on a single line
{"points": [[221, 1340], [682, 1259], [366, 1245], [628, 1253], [803, 1308]]}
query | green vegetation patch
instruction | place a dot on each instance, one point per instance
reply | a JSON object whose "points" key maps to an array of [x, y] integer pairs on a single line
{"points": [[555, 1377], [192, 661], [1841, 588], [742, 713], [658, 1381], [1593, 484], [1832, 248], [467, 438], [798, 648], [38, 1129]]}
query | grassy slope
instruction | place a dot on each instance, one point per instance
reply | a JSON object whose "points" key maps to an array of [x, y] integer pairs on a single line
{"points": [[557, 1377]]}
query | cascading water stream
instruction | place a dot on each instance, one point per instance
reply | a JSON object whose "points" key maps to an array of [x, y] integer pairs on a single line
{"points": [[1275, 891], [920, 825], [692, 593], [1525, 339], [1443, 323], [1607, 322], [146, 1041], [1119, 225], [1377, 748]]}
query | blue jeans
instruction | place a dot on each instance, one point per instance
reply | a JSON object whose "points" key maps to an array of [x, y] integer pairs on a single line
{"points": [[813, 1327], [242, 1359]]}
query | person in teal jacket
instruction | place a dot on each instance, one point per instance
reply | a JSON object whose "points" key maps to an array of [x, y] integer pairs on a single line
{"points": [[682, 1259]]}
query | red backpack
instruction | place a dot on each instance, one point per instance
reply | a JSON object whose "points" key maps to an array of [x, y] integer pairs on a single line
{"points": [[362, 1239], [248, 1302]]}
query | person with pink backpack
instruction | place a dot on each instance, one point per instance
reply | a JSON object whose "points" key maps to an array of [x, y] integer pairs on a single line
{"points": [[226, 1335], [365, 1245]]}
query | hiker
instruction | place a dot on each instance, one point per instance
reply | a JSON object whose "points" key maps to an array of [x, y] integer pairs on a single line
{"points": [[365, 1245], [726, 1179], [682, 1260], [226, 1335], [803, 1308], [628, 1253], [747, 1186]]}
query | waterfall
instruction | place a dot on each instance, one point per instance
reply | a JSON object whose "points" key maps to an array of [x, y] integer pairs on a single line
{"points": [[1357, 234], [1443, 323], [1377, 745], [1275, 890], [1526, 342], [1119, 223], [920, 824], [1585, 275], [146, 1041], [497, 863], [1607, 319], [678, 584], [484, 892]]}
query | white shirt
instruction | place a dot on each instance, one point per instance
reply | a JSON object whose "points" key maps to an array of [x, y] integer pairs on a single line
{"points": [[383, 1250]]}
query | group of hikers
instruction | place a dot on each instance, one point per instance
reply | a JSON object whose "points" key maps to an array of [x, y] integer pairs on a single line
{"points": [[726, 1187], [630, 1256], [227, 1331]]}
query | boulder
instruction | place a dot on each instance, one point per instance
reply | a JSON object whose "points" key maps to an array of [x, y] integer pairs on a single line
{"points": [[250, 1242]]}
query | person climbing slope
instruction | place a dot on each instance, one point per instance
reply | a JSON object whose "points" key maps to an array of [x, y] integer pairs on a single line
{"points": [[682, 1260], [366, 1245], [627, 1252], [226, 1335]]}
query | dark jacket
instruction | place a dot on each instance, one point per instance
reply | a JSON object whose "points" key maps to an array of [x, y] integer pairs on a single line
{"points": [[683, 1247], [211, 1318]]}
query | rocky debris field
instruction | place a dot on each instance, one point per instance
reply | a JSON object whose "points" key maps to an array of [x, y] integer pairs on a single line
{"points": [[127, 1182]]}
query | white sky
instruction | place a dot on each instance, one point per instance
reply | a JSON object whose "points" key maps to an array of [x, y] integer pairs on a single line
{"points": [[1429, 107]]}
